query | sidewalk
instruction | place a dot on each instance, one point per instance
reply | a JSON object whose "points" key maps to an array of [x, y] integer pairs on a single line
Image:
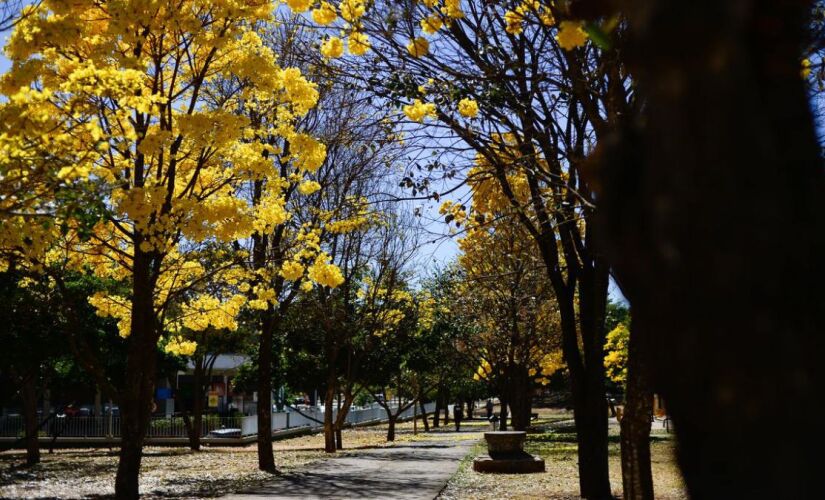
{"points": [[406, 471]]}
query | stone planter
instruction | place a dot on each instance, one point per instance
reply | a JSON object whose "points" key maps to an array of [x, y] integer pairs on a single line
{"points": [[507, 455], [505, 443]]}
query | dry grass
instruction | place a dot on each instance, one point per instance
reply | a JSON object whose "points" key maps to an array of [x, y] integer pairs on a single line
{"points": [[561, 480]]}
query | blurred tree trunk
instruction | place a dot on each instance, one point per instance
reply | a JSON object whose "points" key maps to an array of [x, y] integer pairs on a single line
{"points": [[31, 422], [713, 213]]}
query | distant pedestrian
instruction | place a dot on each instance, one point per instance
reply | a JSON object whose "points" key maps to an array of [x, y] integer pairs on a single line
{"points": [[458, 414], [489, 409]]}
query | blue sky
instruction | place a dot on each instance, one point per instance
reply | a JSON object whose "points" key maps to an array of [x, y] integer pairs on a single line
{"points": [[4, 63]]}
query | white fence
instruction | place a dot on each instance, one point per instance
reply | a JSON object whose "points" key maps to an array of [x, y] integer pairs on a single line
{"points": [[314, 417], [174, 427]]}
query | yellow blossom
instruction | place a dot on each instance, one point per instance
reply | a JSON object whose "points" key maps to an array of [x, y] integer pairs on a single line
{"points": [[806, 68], [513, 21], [333, 47], [325, 14], [419, 110], [468, 108], [571, 35], [431, 24], [324, 273], [352, 10], [418, 47], [299, 5], [308, 187], [359, 43], [179, 346], [292, 270], [452, 9]]}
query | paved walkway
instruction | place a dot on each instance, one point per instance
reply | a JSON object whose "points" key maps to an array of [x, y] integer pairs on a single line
{"points": [[406, 471]]}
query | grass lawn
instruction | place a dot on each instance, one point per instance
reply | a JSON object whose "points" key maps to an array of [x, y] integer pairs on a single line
{"points": [[561, 481]]}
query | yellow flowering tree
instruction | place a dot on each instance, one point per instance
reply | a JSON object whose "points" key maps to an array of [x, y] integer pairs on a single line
{"points": [[326, 176], [616, 351], [113, 103], [530, 74], [504, 295], [365, 312]]}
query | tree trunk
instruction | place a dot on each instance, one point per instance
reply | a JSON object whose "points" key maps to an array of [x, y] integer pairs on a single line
{"points": [[591, 437], [341, 417], [437, 412], [136, 397], [519, 398], [637, 475], [502, 414], [266, 457], [329, 426], [714, 207], [391, 426], [29, 396], [424, 414], [590, 415], [470, 408], [583, 338], [197, 407]]}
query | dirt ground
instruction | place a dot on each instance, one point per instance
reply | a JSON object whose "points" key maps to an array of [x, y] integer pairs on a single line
{"points": [[561, 480], [215, 471], [178, 472]]}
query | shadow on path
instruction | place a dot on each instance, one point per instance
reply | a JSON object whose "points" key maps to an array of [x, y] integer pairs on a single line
{"points": [[408, 471]]}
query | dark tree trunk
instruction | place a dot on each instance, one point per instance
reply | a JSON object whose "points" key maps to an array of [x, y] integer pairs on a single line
{"points": [[470, 410], [446, 406], [266, 457], [637, 475], [714, 207], [591, 437], [197, 407], [502, 413], [520, 398], [29, 396], [136, 396], [437, 412], [329, 423], [583, 338], [391, 426], [341, 418], [424, 414]]}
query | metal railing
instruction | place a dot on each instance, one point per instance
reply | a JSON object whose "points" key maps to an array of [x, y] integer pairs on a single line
{"points": [[175, 427]]}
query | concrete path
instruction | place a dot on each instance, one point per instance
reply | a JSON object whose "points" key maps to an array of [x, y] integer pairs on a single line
{"points": [[405, 471]]}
